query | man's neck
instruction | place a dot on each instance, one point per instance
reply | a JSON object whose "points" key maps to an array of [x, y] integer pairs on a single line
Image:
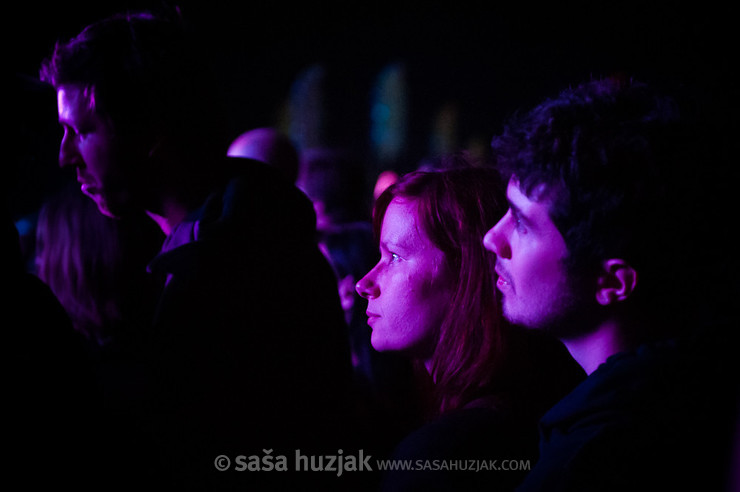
{"points": [[592, 349], [178, 198], [171, 213]]}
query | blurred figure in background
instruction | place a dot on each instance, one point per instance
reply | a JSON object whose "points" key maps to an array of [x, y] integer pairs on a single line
{"points": [[269, 146], [334, 180], [96, 266], [49, 393], [383, 181]]}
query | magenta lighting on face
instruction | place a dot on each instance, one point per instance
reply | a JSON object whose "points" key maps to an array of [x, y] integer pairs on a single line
{"points": [[408, 290]]}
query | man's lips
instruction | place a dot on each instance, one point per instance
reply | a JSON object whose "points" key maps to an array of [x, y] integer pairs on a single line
{"points": [[502, 281], [88, 188], [84, 179], [86, 184]]}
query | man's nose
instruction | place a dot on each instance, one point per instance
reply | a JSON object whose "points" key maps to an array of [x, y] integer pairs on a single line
{"points": [[69, 154], [496, 240]]}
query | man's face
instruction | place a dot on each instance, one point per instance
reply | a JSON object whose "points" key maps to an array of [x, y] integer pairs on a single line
{"points": [[530, 253], [104, 167]]}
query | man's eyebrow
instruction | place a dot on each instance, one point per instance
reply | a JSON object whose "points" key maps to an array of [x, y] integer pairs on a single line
{"points": [[517, 212]]}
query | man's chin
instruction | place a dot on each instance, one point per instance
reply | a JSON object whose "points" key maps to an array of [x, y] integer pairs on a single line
{"points": [[105, 208], [108, 213], [566, 319]]}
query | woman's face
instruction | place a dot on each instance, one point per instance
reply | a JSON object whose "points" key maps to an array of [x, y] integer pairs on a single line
{"points": [[408, 291]]}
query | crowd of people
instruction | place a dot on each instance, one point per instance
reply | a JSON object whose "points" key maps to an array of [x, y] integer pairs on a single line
{"points": [[195, 299]]}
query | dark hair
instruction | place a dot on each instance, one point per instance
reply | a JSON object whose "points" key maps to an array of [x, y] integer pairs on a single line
{"points": [[605, 154], [147, 76], [456, 207]]}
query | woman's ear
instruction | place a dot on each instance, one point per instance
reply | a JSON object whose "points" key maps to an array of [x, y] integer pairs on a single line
{"points": [[616, 282]]}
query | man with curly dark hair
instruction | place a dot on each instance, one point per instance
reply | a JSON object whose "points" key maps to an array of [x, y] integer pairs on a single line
{"points": [[595, 249]]}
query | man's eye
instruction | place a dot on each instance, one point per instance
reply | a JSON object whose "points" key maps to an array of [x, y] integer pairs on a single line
{"points": [[70, 131], [518, 224], [394, 257]]}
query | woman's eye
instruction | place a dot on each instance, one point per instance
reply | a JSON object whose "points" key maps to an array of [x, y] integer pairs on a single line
{"points": [[394, 257]]}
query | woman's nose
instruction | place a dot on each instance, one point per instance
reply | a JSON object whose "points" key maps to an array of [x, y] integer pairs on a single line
{"points": [[367, 287]]}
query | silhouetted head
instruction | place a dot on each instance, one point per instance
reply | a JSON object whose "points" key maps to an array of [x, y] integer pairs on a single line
{"points": [[269, 146], [334, 180]]}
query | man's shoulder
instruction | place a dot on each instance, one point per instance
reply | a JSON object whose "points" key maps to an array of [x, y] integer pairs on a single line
{"points": [[252, 207], [640, 414], [653, 377]]}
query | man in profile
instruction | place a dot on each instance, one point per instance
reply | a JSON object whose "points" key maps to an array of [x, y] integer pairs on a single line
{"points": [[598, 248], [247, 350]]}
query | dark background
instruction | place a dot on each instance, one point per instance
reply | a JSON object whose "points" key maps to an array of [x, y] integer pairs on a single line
{"points": [[489, 60], [492, 58]]}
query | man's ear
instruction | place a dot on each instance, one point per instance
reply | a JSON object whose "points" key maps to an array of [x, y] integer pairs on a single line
{"points": [[616, 282]]}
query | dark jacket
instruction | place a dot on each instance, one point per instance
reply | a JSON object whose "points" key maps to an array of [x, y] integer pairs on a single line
{"points": [[657, 418], [490, 443], [249, 348]]}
